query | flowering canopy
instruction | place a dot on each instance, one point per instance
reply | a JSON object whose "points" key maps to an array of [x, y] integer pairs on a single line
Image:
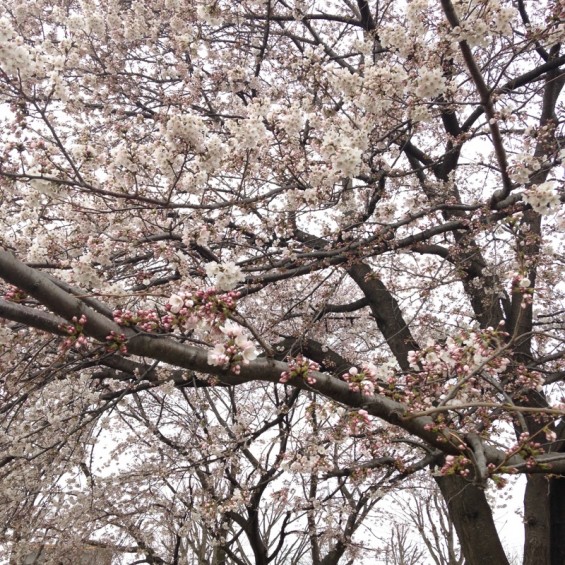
{"points": [[318, 243]]}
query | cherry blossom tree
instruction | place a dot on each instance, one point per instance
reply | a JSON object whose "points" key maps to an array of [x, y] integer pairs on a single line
{"points": [[264, 260]]}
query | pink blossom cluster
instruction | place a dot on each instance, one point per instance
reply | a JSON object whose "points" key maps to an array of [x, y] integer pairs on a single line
{"points": [[523, 378], [235, 351], [358, 421], [147, 320], [462, 355], [75, 330], [527, 448], [364, 381], [186, 310], [456, 372], [459, 465], [14, 294], [116, 342], [300, 367]]}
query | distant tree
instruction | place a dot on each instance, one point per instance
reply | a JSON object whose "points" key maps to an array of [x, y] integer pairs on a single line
{"points": [[263, 260], [402, 549], [422, 524]]}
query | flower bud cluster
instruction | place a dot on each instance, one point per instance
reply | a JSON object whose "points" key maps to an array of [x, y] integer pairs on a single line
{"points": [[525, 379], [208, 307], [14, 294], [528, 449], [364, 381], [525, 447], [147, 320], [457, 372], [462, 355], [76, 333], [358, 421], [300, 367], [456, 465], [116, 342]]}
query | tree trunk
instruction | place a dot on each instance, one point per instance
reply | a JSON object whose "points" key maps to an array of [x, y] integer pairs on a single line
{"points": [[557, 515], [472, 517], [536, 521]]}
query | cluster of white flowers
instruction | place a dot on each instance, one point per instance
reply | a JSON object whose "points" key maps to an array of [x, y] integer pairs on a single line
{"points": [[346, 82], [291, 120], [173, 5], [236, 348], [415, 16], [60, 91], [364, 46], [381, 84], [310, 196], [209, 13], [396, 38], [322, 176], [481, 23], [226, 275], [216, 151], [42, 186], [420, 113], [502, 20], [248, 134], [388, 79], [344, 150], [430, 83], [202, 236], [15, 56], [122, 158], [94, 24], [83, 152], [543, 198], [189, 128], [237, 78], [163, 159], [314, 459], [475, 32], [523, 167], [348, 160], [84, 273], [35, 251]]}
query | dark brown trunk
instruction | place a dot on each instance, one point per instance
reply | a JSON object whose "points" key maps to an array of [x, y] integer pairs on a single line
{"points": [[472, 517], [536, 521], [557, 520]]}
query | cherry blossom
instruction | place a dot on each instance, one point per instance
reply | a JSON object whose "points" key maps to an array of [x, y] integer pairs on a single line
{"points": [[264, 264]]}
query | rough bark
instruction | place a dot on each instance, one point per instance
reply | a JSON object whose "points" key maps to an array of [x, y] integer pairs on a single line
{"points": [[557, 520], [473, 521], [536, 521]]}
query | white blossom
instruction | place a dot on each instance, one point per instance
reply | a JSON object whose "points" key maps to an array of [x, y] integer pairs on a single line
{"points": [[226, 275], [430, 83], [176, 302], [543, 198]]}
